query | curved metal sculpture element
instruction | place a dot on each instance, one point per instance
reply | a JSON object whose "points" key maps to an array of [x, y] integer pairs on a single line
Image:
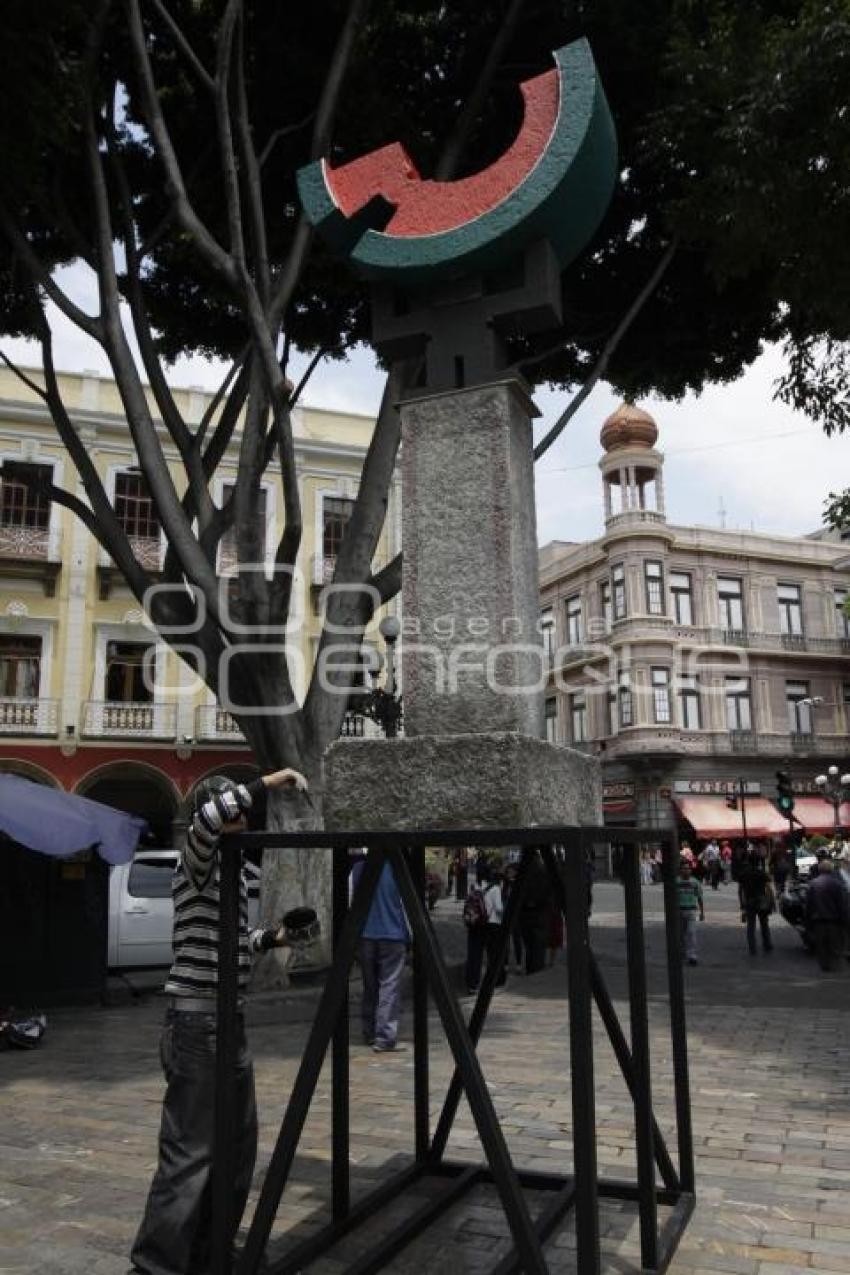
{"points": [[554, 182]]}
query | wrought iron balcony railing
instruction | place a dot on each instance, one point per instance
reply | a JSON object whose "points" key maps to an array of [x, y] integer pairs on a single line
{"points": [[130, 719], [28, 716], [214, 722]]}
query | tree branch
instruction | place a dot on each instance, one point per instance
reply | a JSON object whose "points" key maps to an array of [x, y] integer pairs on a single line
{"points": [[209, 248], [251, 171], [452, 154], [388, 581], [230, 174], [39, 273], [601, 365], [184, 46], [279, 133], [325, 113], [22, 376]]}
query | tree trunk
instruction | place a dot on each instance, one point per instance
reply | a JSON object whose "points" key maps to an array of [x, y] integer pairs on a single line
{"points": [[294, 878]]}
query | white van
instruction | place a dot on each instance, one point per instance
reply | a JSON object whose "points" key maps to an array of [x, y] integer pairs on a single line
{"points": [[141, 913]]}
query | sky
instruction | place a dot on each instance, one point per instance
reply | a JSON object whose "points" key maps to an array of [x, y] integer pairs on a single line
{"points": [[770, 468]]}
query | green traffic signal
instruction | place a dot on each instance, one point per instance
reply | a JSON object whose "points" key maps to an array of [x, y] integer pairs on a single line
{"points": [[784, 792]]}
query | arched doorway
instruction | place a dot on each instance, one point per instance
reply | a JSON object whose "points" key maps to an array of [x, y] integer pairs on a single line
{"points": [[28, 770], [137, 789]]}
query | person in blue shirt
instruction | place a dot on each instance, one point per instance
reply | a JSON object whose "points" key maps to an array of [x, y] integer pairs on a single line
{"points": [[381, 953]]}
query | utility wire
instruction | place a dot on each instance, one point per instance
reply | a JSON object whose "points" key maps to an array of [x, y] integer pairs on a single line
{"points": [[683, 451]]}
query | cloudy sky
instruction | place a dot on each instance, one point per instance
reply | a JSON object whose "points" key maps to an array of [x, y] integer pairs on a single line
{"points": [[769, 467]]}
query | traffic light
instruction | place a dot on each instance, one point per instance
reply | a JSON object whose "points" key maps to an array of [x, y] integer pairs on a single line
{"points": [[784, 792]]}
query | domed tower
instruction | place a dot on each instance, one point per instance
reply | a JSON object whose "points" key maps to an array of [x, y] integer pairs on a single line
{"points": [[632, 470]]}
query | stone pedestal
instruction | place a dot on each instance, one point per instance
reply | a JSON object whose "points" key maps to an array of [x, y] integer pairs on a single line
{"points": [[473, 664]]}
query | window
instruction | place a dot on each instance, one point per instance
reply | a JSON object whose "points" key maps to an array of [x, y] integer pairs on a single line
{"points": [[578, 717], [790, 609], [547, 628], [842, 619], [799, 708], [22, 504], [624, 704], [125, 673], [605, 603], [552, 720], [681, 590], [150, 878], [134, 507], [654, 579], [612, 713], [738, 708], [730, 596], [661, 694], [336, 515], [618, 589], [20, 667], [574, 625], [227, 548], [689, 704]]}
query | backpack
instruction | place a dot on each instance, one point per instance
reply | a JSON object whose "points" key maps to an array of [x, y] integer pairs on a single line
{"points": [[475, 909]]}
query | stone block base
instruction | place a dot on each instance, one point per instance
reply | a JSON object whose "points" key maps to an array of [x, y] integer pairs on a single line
{"points": [[498, 780]]}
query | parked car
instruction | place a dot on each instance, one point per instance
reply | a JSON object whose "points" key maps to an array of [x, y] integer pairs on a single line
{"points": [[792, 908], [141, 913], [805, 864]]}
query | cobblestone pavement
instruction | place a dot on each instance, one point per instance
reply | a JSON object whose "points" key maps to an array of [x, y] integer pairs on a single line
{"points": [[770, 1070]]}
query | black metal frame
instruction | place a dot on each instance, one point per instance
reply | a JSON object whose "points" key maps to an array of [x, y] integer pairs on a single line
{"points": [[564, 851]]}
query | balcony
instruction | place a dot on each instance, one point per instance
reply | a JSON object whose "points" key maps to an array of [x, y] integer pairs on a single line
{"points": [[743, 741], [31, 553], [214, 723], [803, 741], [629, 519], [322, 568], [29, 716], [148, 552], [118, 719]]}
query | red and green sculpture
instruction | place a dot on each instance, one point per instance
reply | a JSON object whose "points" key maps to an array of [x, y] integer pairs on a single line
{"points": [[553, 183]]}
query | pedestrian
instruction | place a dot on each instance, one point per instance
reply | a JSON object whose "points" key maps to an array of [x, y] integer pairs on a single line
{"points": [[174, 1237], [554, 931], [509, 881], [689, 898], [645, 867], [726, 861], [757, 900], [482, 916], [381, 952], [462, 874], [828, 915], [494, 905], [781, 868], [711, 863], [533, 911]]}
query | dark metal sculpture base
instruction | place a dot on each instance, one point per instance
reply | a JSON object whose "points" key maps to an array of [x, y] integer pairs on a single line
{"points": [[564, 853]]}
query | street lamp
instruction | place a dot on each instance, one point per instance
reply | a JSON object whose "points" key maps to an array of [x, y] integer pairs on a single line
{"points": [[833, 788], [382, 704]]}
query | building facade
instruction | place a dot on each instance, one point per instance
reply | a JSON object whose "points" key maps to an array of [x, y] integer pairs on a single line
{"points": [[693, 659], [88, 700]]}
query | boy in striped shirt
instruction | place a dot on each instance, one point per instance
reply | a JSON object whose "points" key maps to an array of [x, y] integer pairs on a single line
{"points": [[174, 1235]]}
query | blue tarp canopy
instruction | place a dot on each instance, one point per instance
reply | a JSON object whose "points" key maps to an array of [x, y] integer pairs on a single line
{"points": [[60, 823]]}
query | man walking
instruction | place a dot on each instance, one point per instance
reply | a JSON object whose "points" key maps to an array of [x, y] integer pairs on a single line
{"points": [[755, 895], [381, 952], [689, 897], [174, 1237], [828, 915]]}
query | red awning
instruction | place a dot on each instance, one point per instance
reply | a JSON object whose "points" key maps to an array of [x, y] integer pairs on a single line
{"points": [[711, 817], [817, 815]]}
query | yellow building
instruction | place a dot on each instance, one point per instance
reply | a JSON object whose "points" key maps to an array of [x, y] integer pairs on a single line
{"points": [[77, 708]]}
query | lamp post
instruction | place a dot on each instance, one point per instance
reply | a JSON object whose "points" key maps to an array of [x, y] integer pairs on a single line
{"points": [[833, 788], [382, 704]]}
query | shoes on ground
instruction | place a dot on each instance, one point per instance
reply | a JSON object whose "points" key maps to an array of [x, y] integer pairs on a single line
{"points": [[397, 1048]]}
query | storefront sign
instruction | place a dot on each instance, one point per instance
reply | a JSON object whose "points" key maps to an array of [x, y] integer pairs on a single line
{"points": [[612, 791], [721, 787]]}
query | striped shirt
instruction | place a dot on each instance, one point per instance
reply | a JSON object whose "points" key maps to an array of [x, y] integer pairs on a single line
{"points": [[195, 892]]}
